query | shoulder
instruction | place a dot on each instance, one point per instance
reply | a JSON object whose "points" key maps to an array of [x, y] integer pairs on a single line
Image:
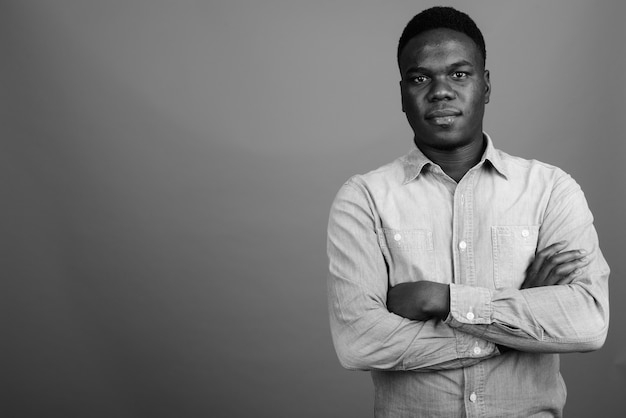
{"points": [[531, 169], [362, 190], [542, 178], [387, 176]]}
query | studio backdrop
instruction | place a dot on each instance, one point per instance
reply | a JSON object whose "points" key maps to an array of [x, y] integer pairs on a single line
{"points": [[167, 168]]}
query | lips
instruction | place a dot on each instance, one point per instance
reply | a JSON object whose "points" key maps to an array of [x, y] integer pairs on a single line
{"points": [[442, 113]]}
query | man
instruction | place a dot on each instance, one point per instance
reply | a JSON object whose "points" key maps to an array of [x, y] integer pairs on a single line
{"points": [[458, 272]]}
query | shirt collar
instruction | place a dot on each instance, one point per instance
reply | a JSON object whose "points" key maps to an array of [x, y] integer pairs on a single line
{"points": [[415, 161]]}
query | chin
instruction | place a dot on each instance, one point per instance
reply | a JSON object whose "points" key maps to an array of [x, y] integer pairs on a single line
{"points": [[446, 141]]}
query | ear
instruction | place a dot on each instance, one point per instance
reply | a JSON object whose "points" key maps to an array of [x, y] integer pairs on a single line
{"points": [[487, 86], [402, 96]]}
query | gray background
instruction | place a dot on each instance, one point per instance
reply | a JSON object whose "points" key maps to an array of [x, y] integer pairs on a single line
{"points": [[167, 170]]}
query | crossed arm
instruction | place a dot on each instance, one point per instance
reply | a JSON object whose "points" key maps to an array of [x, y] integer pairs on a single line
{"points": [[424, 300], [561, 307]]}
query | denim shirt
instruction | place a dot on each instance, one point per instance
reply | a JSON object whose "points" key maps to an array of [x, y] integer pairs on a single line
{"points": [[408, 221]]}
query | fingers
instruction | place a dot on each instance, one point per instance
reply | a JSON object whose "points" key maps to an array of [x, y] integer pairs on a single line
{"points": [[557, 267], [553, 266], [544, 254], [542, 266], [567, 272], [564, 267]]}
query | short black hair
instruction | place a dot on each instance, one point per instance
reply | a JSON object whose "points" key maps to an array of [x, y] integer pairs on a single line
{"points": [[442, 17]]}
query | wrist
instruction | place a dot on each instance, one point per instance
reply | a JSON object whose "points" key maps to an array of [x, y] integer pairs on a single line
{"points": [[446, 307], [434, 300], [441, 306]]}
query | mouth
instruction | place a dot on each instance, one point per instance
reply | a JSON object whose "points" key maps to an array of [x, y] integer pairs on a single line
{"points": [[442, 117]]}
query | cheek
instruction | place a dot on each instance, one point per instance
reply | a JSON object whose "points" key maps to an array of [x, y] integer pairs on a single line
{"points": [[406, 100], [410, 104], [478, 94], [475, 116], [476, 103]]}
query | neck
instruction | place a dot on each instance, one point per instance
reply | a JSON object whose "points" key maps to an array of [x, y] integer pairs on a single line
{"points": [[458, 161]]}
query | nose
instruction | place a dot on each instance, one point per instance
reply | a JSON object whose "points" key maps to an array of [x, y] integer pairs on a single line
{"points": [[440, 89]]}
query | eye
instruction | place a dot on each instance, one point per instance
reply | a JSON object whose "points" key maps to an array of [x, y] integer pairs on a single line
{"points": [[459, 75], [419, 79]]}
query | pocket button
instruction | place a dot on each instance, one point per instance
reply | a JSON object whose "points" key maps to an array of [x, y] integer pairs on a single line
{"points": [[397, 237], [525, 233]]}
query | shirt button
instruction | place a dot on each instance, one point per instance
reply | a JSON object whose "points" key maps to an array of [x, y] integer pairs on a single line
{"points": [[470, 315], [525, 233], [473, 397], [462, 245], [477, 350], [397, 237]]}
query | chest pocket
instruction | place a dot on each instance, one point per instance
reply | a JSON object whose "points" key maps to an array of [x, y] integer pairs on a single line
{"points": [[513, 250], [409, 254]]}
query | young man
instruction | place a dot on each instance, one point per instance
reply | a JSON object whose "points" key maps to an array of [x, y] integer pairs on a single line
{"points": [[459, 272]]}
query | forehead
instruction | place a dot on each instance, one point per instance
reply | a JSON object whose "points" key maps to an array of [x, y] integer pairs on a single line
{"points": [[438, 47]]}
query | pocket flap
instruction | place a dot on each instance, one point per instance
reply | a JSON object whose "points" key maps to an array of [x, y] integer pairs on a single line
{"points": [[520, 235], [407, 239]]}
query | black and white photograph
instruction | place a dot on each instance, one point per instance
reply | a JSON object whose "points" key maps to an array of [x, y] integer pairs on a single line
{"points": [[275, 208]]}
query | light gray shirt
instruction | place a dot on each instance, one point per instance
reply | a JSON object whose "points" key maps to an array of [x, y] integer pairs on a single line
{"points": [[408, 221]]}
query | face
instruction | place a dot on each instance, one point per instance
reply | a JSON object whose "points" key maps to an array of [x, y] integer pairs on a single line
{"points": [[444, 89]]}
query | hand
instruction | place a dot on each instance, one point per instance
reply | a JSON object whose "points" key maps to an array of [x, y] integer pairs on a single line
{"points": [[419, 301], [553, 267]]}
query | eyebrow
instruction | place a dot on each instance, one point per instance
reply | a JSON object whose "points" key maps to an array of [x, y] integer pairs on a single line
{"points": [[457, 64]]}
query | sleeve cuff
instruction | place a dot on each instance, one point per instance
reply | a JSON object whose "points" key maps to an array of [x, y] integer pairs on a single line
{"points": [[469, 305]]}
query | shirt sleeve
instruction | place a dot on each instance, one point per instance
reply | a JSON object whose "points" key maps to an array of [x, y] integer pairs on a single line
{"points": [[559, 318], [365, 334]]}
